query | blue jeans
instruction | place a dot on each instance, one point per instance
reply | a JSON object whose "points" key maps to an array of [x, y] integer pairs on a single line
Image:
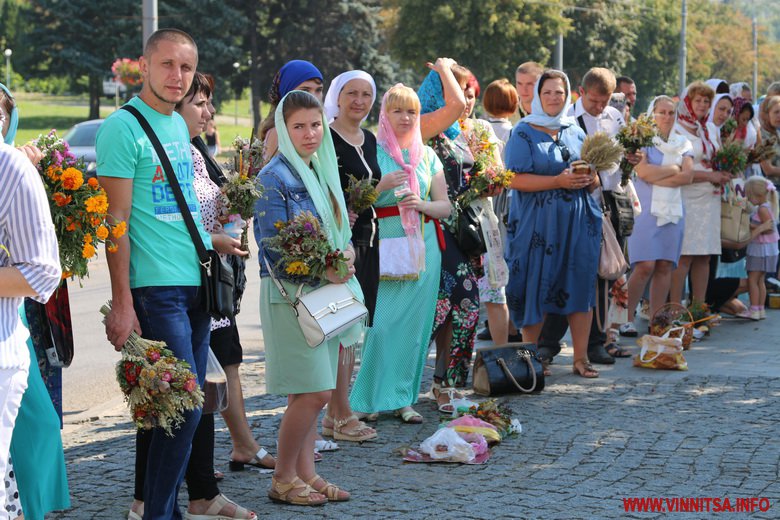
{"points": [[172, 315]]}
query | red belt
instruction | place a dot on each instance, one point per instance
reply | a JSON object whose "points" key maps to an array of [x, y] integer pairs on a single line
{"points": [[393, 211]]}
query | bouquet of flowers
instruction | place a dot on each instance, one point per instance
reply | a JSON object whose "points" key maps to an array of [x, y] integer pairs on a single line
{"points": [[248, 155], [763, 151], [633, 137], [361, 194], [728, 128], [158, 387], [601, 151], [487, 174], [304, 248], [79, 208], [731, 157], [127, 72], [241, 192], [496, 414]]}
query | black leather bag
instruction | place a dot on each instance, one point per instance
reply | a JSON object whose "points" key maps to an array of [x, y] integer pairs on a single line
{"points": [[468, 232], [622, 210], [217, 281], [506, 369]]}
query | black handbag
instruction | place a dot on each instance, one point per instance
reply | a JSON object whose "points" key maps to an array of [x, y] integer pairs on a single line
{"points": [[510, 368], [622, 211], [217, 281], [467, 231]]}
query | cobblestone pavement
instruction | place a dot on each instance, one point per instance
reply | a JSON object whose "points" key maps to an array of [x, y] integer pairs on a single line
{"points": [[585, 445]]}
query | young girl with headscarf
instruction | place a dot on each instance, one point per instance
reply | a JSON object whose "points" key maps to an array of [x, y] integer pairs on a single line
{"points": [[701, 198], [393, 357], [303, 176]]}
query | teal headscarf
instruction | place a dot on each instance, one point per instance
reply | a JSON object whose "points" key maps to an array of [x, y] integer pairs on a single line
{"points": [[431, 96], [320, 183], [14, 116]]}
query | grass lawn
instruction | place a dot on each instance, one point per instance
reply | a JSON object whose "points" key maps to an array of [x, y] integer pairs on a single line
{"points": [[39, 113]]}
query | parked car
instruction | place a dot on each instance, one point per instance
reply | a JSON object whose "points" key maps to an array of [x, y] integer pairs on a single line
{"points": [[81, 139]]}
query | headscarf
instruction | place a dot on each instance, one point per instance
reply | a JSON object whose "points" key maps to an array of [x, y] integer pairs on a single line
{"points": [[715, 101], [686, 117], [716, 83], [321, 184], [735, 89], [539, 118], [295, 72], [386, 138], [14, 117], [431, 96], [337, 85]]}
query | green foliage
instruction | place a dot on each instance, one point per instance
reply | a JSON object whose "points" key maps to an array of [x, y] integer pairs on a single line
{"points": [[490, 37]]}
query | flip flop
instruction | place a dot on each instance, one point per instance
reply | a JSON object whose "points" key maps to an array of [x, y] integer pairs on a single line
{"points": [[256, 462], [614, 350]]}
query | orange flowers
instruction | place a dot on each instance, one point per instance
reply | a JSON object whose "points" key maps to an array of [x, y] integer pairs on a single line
{"points": [[119, 229], [112, 248], [88, 251], [60, 199], [93, 183], [97, 204], [101, 232], [71, 179], [53, 172]]}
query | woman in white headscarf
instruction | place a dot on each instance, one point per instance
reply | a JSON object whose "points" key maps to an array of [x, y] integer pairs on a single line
{"points": [[720, 111]]}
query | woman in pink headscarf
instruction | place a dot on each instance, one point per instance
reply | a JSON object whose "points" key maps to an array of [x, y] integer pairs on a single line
{"points": [[410, 238]]}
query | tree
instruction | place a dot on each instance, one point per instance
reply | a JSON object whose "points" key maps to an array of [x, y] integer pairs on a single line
{"points": [[77, 38], [490, 37], [335, 35], [603, 34]]}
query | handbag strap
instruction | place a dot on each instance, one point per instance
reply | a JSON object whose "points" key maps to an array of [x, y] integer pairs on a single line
{"points": [[509, 375], [186, 215], [281, 288]]}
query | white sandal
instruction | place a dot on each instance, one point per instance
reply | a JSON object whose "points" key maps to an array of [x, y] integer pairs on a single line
{"points": [[325, 445]]}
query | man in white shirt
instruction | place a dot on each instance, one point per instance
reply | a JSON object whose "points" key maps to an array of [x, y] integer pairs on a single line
{"points": [[526, 76], [593, 114], [626, 86]]}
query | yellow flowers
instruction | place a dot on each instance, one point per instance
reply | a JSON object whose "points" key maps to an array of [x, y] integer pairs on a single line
{"points": [[119, 229], [97, 204], [279, 224], [101, 232], [297, 268], [88, 251]]}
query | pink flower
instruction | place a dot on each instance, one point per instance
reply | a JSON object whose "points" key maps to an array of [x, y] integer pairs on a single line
{"points": [[190, 384], [166, 377], [153, 356]]}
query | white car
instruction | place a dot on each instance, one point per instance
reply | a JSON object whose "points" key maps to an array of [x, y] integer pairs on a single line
{"points": [[81, 140]]}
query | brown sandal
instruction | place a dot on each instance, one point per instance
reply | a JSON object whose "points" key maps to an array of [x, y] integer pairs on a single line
{"points": [[583, 368], [283, 492], [359, 432], [332, 491]]}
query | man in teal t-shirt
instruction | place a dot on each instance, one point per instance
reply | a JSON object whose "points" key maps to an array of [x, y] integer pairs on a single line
{"points": [[155, 276]]}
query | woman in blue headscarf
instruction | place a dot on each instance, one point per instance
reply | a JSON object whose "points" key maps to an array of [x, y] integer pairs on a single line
{"points": [[457, 310], [554, 228], [294, 75]]}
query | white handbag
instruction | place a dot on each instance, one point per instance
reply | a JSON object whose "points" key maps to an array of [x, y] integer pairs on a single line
{"points": [[324, 312]]}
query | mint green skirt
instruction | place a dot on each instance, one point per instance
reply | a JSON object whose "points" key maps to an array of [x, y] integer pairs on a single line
{"points": [[291, 365]]}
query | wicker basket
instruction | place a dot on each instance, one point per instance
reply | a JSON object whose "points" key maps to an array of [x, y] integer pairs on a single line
{"points": [[664, 319]]}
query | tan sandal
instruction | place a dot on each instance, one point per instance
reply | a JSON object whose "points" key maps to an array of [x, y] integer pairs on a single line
{"points": [[360, 432], [283, 492], [332, 491], [213, 512], [583, 368]]}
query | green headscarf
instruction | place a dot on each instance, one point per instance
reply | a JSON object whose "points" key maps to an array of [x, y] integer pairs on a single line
{"points": [[321, 181]]}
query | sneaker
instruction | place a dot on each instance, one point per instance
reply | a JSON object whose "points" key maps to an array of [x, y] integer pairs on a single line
{"points": [[697, 334], [628, 330], [763, 313], [755, 315]]}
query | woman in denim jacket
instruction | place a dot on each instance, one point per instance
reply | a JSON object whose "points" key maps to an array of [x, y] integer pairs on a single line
{"points": [[302, 177]]}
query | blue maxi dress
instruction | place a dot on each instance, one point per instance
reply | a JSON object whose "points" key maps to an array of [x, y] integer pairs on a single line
{"points": [[553, 236]]}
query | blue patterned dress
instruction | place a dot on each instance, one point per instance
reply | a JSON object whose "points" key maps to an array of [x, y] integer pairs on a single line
{"points": [[553, 236]]}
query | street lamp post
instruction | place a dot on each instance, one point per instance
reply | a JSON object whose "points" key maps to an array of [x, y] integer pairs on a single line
{"points": [[236, 65], [8, 53]]}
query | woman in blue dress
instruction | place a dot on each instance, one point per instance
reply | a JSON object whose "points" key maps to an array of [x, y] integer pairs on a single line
{"points": [[554, 228]]}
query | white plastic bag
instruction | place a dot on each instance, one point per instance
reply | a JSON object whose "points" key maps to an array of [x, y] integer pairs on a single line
{"points": [[495, 268], [446, 444], [215, 389]]}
